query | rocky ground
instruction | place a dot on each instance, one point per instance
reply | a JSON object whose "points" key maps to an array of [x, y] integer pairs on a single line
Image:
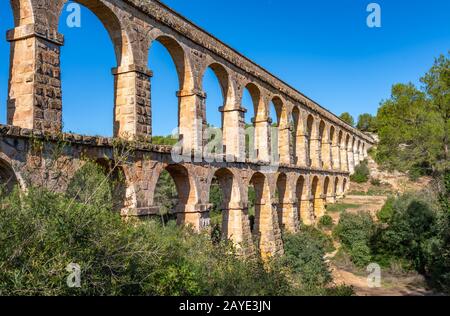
{"points": [[371, 198]]}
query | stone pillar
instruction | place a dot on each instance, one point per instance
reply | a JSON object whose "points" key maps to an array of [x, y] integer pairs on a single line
{"points": [[326, 154], [356, 157], [288, 216], [236, 227], [305, 211], [262, 143], [195, 216], [34, 98], [267, 231], [132, 113], [319, 205], [284, 141], [344, 159], [351, 161], [234, 131], [336, 157], [302, 150], [315, 153], [191, 121]]}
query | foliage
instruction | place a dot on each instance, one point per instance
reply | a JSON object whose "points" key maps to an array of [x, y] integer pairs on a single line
{"points": [[413, 125], [348, 118], [367, 123], [361, 174], [164, 140], [326, 221], [355, 232], [166, 196], [304, 254], [385, 214], [375, 182]]}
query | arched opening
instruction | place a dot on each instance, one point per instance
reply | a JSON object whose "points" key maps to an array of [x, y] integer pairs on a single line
{"points": [[334, 152], [166, 61], [336, 189], [264, 228], [86, 61], [309, 132], [228, 219], [117, 180], [344, 186], [174, 190], [250, 101], [280, 201], [8, 178], [6, 23], [215, 85], [279, 131], [296, 147], [322, 145], [327, 186]]}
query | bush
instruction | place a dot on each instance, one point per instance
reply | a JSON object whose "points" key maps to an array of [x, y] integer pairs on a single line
{"points": [[361, 174], [304, 254], [375, 182], [326, 221], [385, 214], [355, 232]]}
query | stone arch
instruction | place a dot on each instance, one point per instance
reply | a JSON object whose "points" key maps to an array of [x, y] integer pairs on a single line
{"points": [[266, 230], [222, 76], [22, 12], [178, 55], [112, 23], [336, 188], [316, 194], [283, 136], [344, 186], [8, 178], [328, 190], [323, 145], [259, 108]]}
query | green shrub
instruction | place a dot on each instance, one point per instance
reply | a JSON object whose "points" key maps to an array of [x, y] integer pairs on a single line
{"points": [[326, 221], [355, 232], [385, 214], [304, 254], [375, 182], [361, 174]]}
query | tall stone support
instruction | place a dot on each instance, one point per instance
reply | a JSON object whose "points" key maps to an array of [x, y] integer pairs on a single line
{"points": [[301, 148], [351, 161], [315, 153], [262, 139], [344, 159], [305, 210], [34, 98], [288, 216], [326, 154], [319, 205], [356, 157], [336, 157], [132, 114], [194, 216], [234, 132], [236, 227], [284, 140], [267, 231], [191, 121]]}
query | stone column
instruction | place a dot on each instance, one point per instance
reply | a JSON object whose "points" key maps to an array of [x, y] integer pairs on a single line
{"points": [[234, 132], [191, 121], [319, 205], [344, 159], [195, 216], [356, 157], [336, 157], [236, 227], [284, 137], [288, 216], [302, 150], [351, 161], [132, 113], [262, 143], [267, 231], [315, 153], [34, 98], [305, 211], [326, 154]]}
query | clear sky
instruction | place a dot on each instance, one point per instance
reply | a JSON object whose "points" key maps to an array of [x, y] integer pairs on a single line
{"points": [[323, 48]]}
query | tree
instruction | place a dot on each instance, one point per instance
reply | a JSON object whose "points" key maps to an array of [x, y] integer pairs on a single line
{"points": [[367, 123], [413, 124], [346, 117]]}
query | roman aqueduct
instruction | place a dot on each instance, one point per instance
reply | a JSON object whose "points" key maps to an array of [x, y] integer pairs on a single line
{"points": [[315, 154]]}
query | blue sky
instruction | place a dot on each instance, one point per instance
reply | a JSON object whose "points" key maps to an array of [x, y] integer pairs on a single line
{"points": [[322, 48]]}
